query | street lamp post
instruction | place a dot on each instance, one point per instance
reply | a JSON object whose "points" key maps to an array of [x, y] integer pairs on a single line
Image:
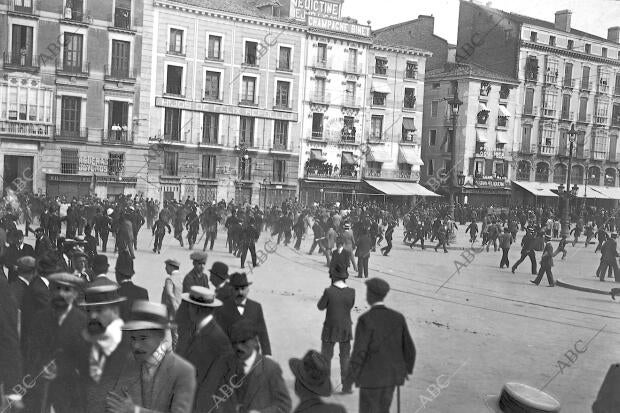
{"points": [[455, 105], [572, 135]]}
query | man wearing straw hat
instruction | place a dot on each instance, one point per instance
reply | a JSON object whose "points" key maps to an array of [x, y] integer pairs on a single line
{"points": [[166, 382], [107, 364], [207, 348]]}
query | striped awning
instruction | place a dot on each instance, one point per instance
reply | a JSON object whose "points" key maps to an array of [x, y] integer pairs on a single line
{"points": [[409, 155], [348, 159], [379, 154]]}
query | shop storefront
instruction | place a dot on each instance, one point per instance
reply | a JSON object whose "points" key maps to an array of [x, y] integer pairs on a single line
{"points": [[485, 191]]}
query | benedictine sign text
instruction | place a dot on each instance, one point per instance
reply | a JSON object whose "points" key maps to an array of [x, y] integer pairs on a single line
{"points": [[339, 26], [320, 8]]}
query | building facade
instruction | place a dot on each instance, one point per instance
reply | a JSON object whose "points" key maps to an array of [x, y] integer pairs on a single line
{"points": [[566, 77], [68, 96], [485, 131], [222, 101]]}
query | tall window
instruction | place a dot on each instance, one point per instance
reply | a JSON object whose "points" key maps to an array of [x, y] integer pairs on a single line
{"points": [[617, 85], [250, 56], [210, 127], [70, 115], [588, 48], [74, 10], [549, 103], [317, 125], [208, 166], [319, 91], [69, 161], [174, 80], [434, 108], [601, 111], [566, 106], [526, 138], [411, 72], [172, 124], [118, 125], [570, 44], [568, 74], [280, 136], [120, 59], [171, 163], [352, 60], [376, 127], [72, 57], [531, 68], [378, 98], [116, 163], [284, 58], [248, 87], [432, 137], [585, 78], [583, 108], [22, 45], [615, 114], [24, 6], [529, 101], [214, 50], [245, 169], [381, 65], [430, 167], [212, 85], [246, 131], [551, 73], [176, 41], [279, 170], [282, 94], [409, 98], [349, 94], [321, 56]]}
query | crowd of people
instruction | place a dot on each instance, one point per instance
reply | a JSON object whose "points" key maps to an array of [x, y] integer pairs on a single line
{"points": [[98, 344]]}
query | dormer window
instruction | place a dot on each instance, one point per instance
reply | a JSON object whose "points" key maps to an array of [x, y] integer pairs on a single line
{"points": [[485, 88], [570, 45], [588, 48], [551, 40], [533, 36]]}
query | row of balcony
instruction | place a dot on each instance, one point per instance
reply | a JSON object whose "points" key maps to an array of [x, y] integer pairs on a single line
{"points": [[603, 86], [570, 116], [45, 131], [349, 137], [578, 153], [367, 173]]}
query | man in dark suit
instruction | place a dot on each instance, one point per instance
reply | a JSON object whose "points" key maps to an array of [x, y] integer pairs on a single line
{"points": [[362, 252], [241, 307], [56, 339], [609, 255], [527, 250], [25, 274], [207, 348], [259, 381], [340, 257], [105, 361], [219, 278], [383, 351], [43, 243], [129, 290], [338, 300], [10, 355], [79, 260], [167, 382], [546, 262], [15, 251]]}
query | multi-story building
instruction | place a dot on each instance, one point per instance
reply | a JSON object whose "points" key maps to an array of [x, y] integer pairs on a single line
{"points": [[566, 76], [68, 96], [394, 118], [222, 100], [334, 102], [484, 131]]}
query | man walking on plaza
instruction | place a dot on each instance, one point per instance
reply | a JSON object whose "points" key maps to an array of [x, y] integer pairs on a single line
{"points": [[171, 295], [338, 300], [527, 250], [609, 257], [362, 252], [159, 230], [546, 262], [383, 351], [505, 240]]}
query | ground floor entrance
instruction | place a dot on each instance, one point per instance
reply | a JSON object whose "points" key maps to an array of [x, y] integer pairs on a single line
{"points": [[18, 173]]}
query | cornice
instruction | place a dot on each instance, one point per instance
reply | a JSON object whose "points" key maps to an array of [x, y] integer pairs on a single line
{"points": [[570, 53]]}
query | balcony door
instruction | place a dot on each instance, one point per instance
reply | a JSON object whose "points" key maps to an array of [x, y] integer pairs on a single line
{"points": [[70, 115], [120, 59], [118, 120], [72, 57], [22, 45]]}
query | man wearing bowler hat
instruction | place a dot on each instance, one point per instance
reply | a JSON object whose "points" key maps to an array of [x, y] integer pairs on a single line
{"points": [[207, 348], [383, 351], [311, 383], [240, 306], [25, 274], [219, 278], [129, 290], [56, 340], [106, 361], [100, 269], [167, 382], [338, 299]]}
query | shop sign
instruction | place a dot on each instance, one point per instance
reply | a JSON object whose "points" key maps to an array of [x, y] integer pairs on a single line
{"points": [[338, 26], [321, 8], [93, 164], [224, 109], [490, 182]]}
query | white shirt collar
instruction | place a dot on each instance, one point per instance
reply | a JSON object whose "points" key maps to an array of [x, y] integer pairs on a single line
{"points": [[377, 303], [109, 341], [24, 280], [102, 275], [64, 315], [203, 323], [247, 364], [340, 284], [241, 308], [46, 281]]}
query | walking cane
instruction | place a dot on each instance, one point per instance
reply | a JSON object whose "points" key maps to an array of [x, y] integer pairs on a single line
{"points": [[398, 399]]}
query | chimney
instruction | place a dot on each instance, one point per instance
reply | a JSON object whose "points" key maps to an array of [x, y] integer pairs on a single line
{"points": [[613, 34], [562, 20], [427, 22]]}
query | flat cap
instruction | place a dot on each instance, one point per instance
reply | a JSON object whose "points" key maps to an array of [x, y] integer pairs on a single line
{"points": [[378, 287], [26, 264], [173, 262], [199, 256], [65, 278]]}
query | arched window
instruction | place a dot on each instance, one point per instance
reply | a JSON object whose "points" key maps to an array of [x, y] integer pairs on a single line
{"points": [[542, 172], [576, 175], [559, 173], [594, 175], [610, 177], [523, 171]]}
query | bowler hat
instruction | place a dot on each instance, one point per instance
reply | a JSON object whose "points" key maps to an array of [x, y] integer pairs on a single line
{"points": [[219, 271], [26, 264], [239, 279], [100, 262], [313, 373], [201, 296], [199, 256], [378, 287], [517, 397], [242, 330], [173, 263], [101, 295], [47, 264], [146, 315], [64, 278]]}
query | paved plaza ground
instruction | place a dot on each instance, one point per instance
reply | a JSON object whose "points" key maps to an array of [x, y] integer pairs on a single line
{"points": [[483, 328]]}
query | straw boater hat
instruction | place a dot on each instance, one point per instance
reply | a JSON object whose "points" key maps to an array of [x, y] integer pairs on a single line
{"points": [[101, 295], [146, 315], [313, 373], [202, 297], [517, 397]]}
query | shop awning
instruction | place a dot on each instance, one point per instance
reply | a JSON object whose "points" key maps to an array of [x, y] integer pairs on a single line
{"points": [[379, 154], [409, 124], [381, 87], [409, 155], [537, 188], [504, 112], [610, 192], [482, 107], [348, 159], [317, 155], [400, 188], [501, 138], [598, 192], [481, 136]]}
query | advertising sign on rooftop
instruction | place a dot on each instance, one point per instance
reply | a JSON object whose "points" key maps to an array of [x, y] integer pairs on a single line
{"points": [[338, 26], [320, 8]]}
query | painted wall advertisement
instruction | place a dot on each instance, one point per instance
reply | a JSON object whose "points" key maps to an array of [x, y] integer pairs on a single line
{"points": [[338, 26], [320, 8]]}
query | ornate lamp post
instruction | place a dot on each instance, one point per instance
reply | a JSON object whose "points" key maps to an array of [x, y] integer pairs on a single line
{"points": [[455, 105], [572, 135]]}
